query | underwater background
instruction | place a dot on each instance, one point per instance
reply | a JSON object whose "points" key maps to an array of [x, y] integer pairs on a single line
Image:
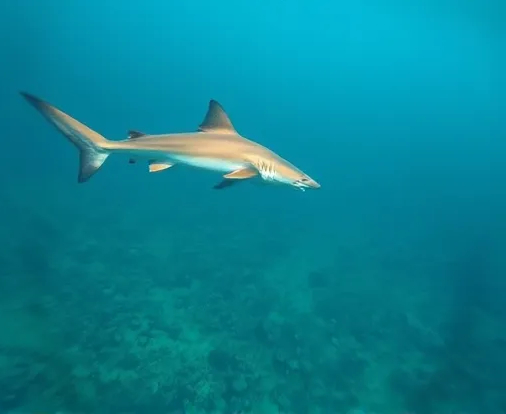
{"points": [[380, 293]]}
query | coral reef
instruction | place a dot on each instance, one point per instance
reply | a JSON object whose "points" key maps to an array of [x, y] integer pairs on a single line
{"points": [[113, 322]]}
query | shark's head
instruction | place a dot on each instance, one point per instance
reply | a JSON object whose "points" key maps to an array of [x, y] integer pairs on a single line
{"points": [[305, 182], [299, 180], [283, 172]]}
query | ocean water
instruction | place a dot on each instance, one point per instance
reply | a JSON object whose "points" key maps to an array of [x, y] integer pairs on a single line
{"points": [[380, 293]]}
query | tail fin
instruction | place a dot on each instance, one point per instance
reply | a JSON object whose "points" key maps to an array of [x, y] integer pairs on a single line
{"points": [[92, 146]]}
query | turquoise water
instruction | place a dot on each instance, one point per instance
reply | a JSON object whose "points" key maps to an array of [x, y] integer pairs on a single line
{"points": [[380, 293]]}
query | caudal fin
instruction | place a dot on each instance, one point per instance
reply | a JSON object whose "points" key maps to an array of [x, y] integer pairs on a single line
{"points": [[93, 147]]}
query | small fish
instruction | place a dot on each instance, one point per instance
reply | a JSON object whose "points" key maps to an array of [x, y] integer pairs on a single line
{"points": [[216, 145]]}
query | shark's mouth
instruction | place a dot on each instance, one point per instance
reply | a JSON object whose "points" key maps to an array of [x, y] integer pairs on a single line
{"points": [[299, 185]]}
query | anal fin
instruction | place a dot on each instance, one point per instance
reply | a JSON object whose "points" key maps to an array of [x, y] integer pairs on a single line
{"points": [[156, 166]]}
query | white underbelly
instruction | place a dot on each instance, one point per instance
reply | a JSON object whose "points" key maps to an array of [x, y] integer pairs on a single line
{"points": [[208, 163]]}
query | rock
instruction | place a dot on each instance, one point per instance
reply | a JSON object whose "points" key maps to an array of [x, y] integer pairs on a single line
{"points": [[239, 385]]}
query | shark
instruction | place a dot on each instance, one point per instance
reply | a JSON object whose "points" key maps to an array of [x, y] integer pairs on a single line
{"points": [[215, 145]]}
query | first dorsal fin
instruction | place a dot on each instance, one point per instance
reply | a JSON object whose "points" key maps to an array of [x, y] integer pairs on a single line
{"points": [[135, 134], [217, 120]]}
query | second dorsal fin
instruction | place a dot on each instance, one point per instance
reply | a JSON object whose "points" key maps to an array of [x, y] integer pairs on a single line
{"points": [[217, 120], [135, 134]]}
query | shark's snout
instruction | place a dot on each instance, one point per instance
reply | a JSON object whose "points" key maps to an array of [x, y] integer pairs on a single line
{"points": [[306, 182], [313, 184]]}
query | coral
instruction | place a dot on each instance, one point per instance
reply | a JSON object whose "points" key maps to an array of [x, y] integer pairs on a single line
{"points": [[190, 323]]}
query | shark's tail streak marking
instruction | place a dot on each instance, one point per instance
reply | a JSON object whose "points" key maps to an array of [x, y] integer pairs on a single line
{"points": [[93, 147]]}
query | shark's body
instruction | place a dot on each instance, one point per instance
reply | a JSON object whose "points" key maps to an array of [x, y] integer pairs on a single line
{"points": [[215, 146]]}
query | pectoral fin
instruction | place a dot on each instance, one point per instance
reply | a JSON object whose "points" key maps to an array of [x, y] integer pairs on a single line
{"points": [[235, 176], [155, 166], [241, 174]]}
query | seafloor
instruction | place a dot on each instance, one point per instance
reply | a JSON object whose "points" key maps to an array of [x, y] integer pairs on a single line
{"points": [[108, 310]]}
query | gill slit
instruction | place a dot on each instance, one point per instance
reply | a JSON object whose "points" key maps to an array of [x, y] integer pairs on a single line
{"points": [[266, 170]]}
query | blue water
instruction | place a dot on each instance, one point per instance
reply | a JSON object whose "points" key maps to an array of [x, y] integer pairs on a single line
{"points": [[380, 293]]}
